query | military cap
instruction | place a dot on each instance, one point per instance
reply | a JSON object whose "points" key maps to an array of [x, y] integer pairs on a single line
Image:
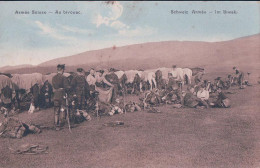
{"points": [[174, 66], [79, 70], [218, 78], [60, 66]]}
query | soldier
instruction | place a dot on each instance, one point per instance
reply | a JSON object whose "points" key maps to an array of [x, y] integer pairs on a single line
{"points": [[198, 78], [190, 99], [91, 79], [60, 86], [240, 77], [203, 95], [174, 87], [46, 93], [112, 78], [79, 86]]}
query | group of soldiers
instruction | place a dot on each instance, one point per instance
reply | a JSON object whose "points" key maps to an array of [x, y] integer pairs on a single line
{"points": [[78, 88], [200, 94], [76, 92]]}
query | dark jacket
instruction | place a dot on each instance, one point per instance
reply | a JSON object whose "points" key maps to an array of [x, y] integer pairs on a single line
{"points": [[172, 85], [78, 83], [60, 85]]}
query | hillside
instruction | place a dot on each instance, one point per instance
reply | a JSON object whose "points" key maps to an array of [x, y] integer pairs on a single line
{"points": [[8, 68], [242, 52]]}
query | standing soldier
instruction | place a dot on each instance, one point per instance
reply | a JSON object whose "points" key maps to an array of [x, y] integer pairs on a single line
{"points": [[240, 77], [46, 93], [79, 86], [60, 86], [91, 80]]}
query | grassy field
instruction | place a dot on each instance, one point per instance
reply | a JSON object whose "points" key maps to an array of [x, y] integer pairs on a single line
{"points": [[185, 137]]}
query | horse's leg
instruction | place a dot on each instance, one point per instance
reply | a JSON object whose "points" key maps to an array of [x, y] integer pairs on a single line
{"points": [[141, 85], [189, 80], [155, 84]]}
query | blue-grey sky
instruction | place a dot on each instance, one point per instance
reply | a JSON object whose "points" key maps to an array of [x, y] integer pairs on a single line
{"points": [[34, 38]]}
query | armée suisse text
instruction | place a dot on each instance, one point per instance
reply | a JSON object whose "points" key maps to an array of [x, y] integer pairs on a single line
{"points": [[37, 12]]}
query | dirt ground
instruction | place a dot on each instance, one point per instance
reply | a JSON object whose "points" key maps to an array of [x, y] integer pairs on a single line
{"points": [[187, 138]]}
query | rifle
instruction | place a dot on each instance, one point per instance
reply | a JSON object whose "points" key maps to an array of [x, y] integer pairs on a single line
{"points": [[124, 91], [67, 111], [97, 107]]}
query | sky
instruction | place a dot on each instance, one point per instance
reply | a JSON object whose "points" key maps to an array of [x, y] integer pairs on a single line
{"points": [[36, 38]]}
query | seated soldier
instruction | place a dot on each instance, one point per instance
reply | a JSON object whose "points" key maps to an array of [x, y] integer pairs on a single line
{"points": [[222, 100], [190, 98], [219, 83], [247, 81], [174, 87], [203, 95]]}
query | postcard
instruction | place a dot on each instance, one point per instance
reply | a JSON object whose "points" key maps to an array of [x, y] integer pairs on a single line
{"points": [[129, 84]]}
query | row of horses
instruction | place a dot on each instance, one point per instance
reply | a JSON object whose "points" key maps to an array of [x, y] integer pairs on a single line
{"points": [[142, 80]]}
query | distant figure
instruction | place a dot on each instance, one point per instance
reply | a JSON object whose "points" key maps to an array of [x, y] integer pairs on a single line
{"points": [[240, 76], [61, 86]]}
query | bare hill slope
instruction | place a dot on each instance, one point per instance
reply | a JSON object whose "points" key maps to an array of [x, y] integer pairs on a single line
{"points": [[243, 52]]}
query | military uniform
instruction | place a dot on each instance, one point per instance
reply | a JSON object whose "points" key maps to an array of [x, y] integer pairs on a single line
{"points": [[240, 75], [6, 97], [173, 86], [46, 92], [60, 86], [113, 79], [221, 98], [79, 86], [190, 100]]}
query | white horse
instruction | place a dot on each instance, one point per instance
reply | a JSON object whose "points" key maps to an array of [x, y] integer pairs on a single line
{"points": [[149, 76]]}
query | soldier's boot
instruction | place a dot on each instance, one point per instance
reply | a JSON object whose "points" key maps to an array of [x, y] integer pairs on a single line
{"points": [[56, 118]]}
